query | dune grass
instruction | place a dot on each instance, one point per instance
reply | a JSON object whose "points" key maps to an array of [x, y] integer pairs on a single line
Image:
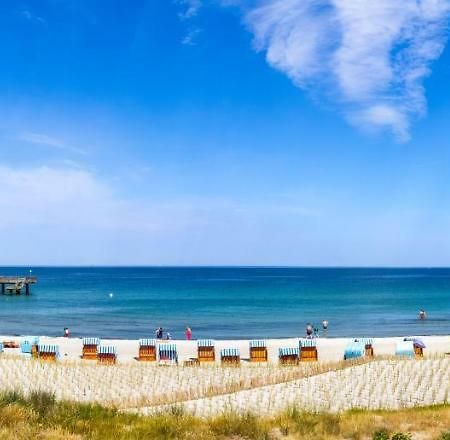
{"points": [[40, 416]]}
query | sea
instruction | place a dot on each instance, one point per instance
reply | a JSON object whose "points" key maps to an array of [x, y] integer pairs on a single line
{"points": [[228, 302]]}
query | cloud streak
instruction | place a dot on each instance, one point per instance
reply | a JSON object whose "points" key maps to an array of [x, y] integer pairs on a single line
{"points": [[49, 141], [369, 57]]}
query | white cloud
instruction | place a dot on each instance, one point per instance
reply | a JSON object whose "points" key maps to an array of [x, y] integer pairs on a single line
{"points": [[190, 8], [43, 139], [370, 56]]}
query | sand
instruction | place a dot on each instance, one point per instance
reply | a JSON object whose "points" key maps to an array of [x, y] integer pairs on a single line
{"points": [[329, 349], [267, 388]]}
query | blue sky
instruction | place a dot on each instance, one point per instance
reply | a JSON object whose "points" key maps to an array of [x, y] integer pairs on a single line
{"points": [[272, 132]]}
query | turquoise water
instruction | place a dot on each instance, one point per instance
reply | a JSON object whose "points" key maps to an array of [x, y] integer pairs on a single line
{"points": [[228, 302]]}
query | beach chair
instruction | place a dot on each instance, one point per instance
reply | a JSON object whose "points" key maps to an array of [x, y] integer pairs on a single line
{"points": [[2, 347], [258, 351], [308, 350], [106, 354], [168, 354], [368, 345], [48, 352], [29, 346], [230, 356], [90, 346], [288, 355], [206, 351], [405, 349], [354, 350], [147, 350], [418, 346]]}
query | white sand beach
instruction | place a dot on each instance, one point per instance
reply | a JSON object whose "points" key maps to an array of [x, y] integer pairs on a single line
{"points": [[329, 349]]}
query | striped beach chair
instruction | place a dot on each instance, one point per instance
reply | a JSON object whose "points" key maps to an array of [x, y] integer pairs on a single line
{"points": [[2, 347], [107, 354], [29, 346], [258, 351], [405, 349], [308, 350], [147, 350], [90, 346], [206, 351], [48, 352], [354, 350], [168, 354], [418, 345], [288, 355], [368, 345], [230, 356]]}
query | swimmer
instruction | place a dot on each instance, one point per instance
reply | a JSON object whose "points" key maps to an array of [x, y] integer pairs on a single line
{"points": [[422, 314]]}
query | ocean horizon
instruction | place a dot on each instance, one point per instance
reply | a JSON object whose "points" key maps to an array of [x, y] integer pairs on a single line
{"points": [[228, 302]]}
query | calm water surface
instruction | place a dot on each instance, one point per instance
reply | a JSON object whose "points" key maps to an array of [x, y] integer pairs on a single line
{"points": [[228, 302]]}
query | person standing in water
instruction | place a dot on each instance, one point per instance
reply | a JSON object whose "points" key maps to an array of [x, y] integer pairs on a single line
{"points": [[188, 333], [422, 314]]}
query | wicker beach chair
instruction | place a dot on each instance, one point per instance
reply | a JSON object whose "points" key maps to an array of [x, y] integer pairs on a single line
{"points": [[418, 346], [147, 350], [168, 354], [2, 347], [405, 349], [107, 354], [230, 356], [48, 352], [258, 351], [288, 355], [368, 345], [90, 346], [206, 351], [308, 350], [29, 346], [354, 349]]}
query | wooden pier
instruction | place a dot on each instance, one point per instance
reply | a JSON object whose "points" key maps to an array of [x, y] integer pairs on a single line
{"points": [[14, 285]]}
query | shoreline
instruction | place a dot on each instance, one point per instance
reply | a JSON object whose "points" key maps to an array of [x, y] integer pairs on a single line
{"points": [[329, 349]]}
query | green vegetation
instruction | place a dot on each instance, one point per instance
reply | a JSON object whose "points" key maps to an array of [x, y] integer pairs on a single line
{"points": [[40, 416]]}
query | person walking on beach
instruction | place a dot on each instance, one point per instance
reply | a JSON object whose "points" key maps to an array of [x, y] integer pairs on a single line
{"points": [[309, 331], [66, 332], [159, 333], [188, 333]]}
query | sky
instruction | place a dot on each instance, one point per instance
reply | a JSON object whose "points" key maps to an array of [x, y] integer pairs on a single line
{"points": [[225, 132]]}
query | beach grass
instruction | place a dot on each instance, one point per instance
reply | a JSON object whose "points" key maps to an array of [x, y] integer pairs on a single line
{"points": [[40, 416]]}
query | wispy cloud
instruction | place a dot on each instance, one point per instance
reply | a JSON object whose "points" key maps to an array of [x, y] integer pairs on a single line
{"points": [[49, 141], [190, 38], [189, 8], [28, 15], [370, 57]]}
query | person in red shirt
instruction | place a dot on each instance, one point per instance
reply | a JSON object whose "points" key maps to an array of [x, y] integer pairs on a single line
{"points": [[188, 333]]}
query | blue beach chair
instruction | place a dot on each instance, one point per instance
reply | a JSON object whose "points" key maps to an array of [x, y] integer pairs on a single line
{"points": [[168, 354], [354, 350], [48, 352], [29, 346], [289, 355], [107, 354], [405, 349], [230, 356]]}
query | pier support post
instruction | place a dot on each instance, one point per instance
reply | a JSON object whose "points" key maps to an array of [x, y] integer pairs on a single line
{"points": [[3, 289]]}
